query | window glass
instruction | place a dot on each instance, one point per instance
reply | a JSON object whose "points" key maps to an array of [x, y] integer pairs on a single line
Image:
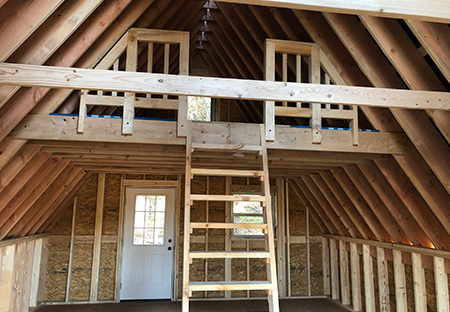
{"points": [[149, 218]]}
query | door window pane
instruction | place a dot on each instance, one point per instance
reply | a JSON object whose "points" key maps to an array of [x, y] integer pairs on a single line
{"points": [[149, 220]]}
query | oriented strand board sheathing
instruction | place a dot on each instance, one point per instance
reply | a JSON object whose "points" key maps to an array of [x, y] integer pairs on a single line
{"points": [[106, 284], [431, 290], [298, 270], [56, 279], [87, 202], [239, 273], [197, 270], [64, 224], [409, 288], [134, 177], [296, 215], [390, 265], [258, 273], [82, 266], [316, 268], [111, 204]]}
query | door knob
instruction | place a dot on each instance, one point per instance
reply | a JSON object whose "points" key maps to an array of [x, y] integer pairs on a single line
{"points": [[169, 248]]}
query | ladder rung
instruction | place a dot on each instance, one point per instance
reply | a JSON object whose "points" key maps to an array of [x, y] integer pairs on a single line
{"points": [[197, 225], [226, 172], [234, 285], [239, 147], [250, 198], [229, 254]]}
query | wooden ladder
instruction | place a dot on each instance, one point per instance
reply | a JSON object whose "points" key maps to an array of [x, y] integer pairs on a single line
{"points": [[268, 228]]}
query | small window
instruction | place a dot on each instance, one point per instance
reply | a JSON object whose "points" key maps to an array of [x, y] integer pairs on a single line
{"points": [[199, 108], [249, 212], [149, 217]]}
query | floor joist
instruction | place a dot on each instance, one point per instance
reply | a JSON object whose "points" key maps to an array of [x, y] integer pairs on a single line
{"points": [[45, 127]]}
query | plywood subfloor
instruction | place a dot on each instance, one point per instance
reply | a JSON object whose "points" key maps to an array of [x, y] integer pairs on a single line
{"points": [[286, 305]]}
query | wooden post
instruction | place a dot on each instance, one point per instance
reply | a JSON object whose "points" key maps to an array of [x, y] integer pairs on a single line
{"points": [[120, 241], [97, 238], [344, 274], [316, 120], [400, 282], [441, 281], [269, 75], [72, 247], [288, 240], [307, 253], [368, 279], [43, 270], [334, 270], [131, 65], [383, 281], [420, 292], [183, 100], [177, 239], [36, 272], [7, 267], [281, 239], [326, 267], [356, 278]]}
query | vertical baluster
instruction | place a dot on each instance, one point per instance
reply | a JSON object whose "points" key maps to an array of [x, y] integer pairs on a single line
{"points": [[298, 76], [166, 63], [150, 62], [285, 71]]}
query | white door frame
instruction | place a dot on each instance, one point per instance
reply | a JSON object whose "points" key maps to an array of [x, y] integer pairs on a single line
{"points": [[146, 187]]}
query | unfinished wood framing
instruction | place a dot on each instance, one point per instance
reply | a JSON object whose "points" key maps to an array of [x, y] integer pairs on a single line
{"points": [[287, 79], [97, 238], [399, 256], [22, 273], [105, 80]]}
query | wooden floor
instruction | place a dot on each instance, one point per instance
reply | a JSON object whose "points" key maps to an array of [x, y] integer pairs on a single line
{"points": [[286, 305]]}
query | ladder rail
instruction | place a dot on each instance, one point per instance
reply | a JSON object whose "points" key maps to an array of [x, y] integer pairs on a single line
{"points": [[187, 221], [269, 237]]}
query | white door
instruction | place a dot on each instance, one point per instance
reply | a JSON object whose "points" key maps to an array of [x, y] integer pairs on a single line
{"points": [[148, 256]]}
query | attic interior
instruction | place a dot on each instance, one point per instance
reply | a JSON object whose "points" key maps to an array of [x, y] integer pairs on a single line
{"points": [[326, 146]]}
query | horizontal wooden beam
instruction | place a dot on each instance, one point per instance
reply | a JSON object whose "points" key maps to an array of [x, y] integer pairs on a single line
{"points": [[405, 248], [242, 89], [431, 10], [47, 127], [14, 241]]}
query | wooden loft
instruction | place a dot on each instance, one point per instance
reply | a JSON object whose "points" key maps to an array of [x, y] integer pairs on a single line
{"points": [[378, 196]]}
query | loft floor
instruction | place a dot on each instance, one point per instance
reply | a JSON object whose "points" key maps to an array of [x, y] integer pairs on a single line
{"points": [[286, 305]]}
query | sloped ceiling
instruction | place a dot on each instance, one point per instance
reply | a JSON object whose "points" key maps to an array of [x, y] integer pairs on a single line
{"points": [[403, 199]]}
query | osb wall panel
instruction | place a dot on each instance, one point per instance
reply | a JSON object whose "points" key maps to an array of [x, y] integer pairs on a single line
{"points": [[106, 284], [409, 288], [82, 262], [111, 204], [87, 202], [298, 270], [82, 268], [431, 291], [87, 199], [64, 224], [58, 261], [316, 269]]}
